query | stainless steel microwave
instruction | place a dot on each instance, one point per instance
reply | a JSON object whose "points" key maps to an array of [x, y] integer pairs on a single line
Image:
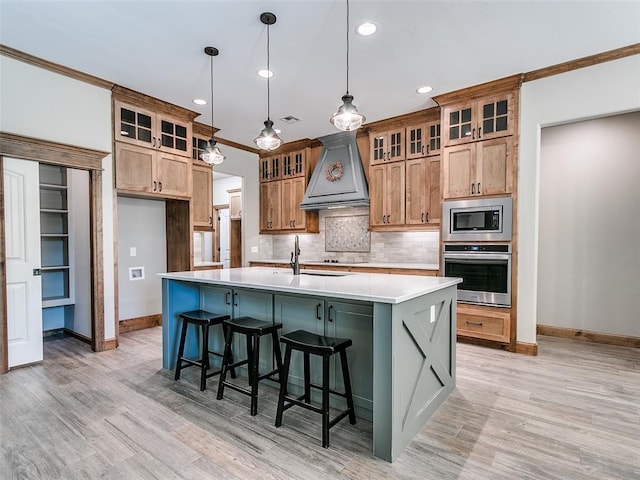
{"points": [[476, 220]]}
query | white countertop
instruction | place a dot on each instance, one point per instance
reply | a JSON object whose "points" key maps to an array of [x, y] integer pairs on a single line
{"points": [[408, 266], [371, 287]]}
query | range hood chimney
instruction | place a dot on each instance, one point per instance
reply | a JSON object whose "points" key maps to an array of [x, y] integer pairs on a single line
{"points": [[338, 179]]}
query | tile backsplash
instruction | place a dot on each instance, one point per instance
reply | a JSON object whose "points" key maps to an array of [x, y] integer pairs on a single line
{"points": [[385, 247]]}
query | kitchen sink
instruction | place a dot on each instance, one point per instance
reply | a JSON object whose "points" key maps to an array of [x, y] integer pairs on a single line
{"points": [[325, 274]]}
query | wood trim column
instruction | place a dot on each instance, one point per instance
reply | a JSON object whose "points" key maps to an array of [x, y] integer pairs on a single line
{"points": [[4, 340], [97, 260]]}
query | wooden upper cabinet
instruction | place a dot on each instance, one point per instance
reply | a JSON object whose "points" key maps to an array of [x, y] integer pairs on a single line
{"points": [[423, 140], [387, 197], [270, 206], [483, 168], [270, 168], [146, 171], [202, 198], [294, 164], [483, 119], [143, 127], [292, 195], [423, 191], [387, 146]]}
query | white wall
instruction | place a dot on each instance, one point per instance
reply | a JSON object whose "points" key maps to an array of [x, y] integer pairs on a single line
{"points": [[245, 164], [38, 103], [591, 92], [220, 187], [141, 225], [588, 256]]}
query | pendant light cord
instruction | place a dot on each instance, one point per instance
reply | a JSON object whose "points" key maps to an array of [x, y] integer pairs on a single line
{"points": [[347, 47], [213, 130], [268, 75]]}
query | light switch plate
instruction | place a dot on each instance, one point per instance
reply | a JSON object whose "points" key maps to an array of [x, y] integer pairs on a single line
{"points": [[132, 251], [254, 249]]}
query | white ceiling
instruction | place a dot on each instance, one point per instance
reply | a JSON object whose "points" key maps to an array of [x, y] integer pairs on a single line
{"points": [[156, 47]]}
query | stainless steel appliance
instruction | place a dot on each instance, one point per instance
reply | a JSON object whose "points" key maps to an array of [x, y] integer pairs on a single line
{"points": [[481, 219], [485, 271]]}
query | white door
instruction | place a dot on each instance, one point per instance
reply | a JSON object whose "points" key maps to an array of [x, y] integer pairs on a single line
{"points": [[24, 289], [225, 247]]}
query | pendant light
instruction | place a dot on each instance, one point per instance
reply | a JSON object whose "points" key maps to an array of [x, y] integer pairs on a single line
{"points": [[212, 154], [347, 117], [268, 138]]}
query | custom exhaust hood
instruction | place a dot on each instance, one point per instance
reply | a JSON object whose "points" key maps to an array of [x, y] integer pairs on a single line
{"points": [[338, 179]]}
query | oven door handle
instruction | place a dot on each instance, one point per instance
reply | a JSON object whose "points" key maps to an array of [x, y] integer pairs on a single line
{"points": [[477, 257]]}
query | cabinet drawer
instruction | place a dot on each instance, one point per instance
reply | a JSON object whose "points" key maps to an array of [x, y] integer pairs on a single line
{"points": [[490, 324]]}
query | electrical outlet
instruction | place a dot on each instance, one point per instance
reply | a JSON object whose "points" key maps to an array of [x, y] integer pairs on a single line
{"points": [[132, 251], [254, 249]]}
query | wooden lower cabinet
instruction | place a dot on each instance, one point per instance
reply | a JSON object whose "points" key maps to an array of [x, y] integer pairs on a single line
{"points": [[140, 170], [488, 323]]}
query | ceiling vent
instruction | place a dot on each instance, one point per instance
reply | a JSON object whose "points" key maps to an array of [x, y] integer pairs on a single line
{"points": [[290, 119]]}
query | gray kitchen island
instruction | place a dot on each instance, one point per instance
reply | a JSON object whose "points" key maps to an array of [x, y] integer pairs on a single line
{"points": [[402, 360]]}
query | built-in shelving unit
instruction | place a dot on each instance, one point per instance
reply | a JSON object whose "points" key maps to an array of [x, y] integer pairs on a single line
{"points": [[55, 241]]}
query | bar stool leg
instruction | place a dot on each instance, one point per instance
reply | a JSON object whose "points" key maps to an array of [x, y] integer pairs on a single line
{"points": [[284, 376], [183, 337], [325, 401], [307, 378], [225, 331], [225, 356], [253, 366], [204, 361], [346, 378]]}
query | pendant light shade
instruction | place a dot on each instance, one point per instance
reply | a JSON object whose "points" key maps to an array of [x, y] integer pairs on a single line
{"points": [[347, 117], [268, 138], [212, 154]]}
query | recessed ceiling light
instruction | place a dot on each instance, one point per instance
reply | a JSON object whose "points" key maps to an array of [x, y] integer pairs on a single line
{"points": [[425, 89], [367, 28], [199, 101], [265, 73]]}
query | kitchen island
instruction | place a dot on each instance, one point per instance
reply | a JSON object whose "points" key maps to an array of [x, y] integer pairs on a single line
{"points": [[402, 360]]}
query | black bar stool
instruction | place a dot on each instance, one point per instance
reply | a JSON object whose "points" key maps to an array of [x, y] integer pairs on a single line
{"points": [[253, 329], [202, 320], [310, 343]]}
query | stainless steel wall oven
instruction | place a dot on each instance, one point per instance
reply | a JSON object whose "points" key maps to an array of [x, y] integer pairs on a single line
{"points": [[485, 271]]}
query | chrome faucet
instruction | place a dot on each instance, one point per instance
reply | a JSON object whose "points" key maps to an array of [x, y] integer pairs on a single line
{"points": [[295, 263]]}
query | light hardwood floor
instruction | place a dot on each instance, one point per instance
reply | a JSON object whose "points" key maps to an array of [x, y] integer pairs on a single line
{"points": [[572, 412]]}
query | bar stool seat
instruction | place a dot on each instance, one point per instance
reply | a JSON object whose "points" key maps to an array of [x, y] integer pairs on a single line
{"points": [[253, 329], [311, 344], [202, 320]]}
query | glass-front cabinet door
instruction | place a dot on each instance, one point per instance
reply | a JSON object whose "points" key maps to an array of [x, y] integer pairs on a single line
{"points": [[416, 145], [433, 138], [460, 123], [496, 116], [134, 125], [173, 136]]}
